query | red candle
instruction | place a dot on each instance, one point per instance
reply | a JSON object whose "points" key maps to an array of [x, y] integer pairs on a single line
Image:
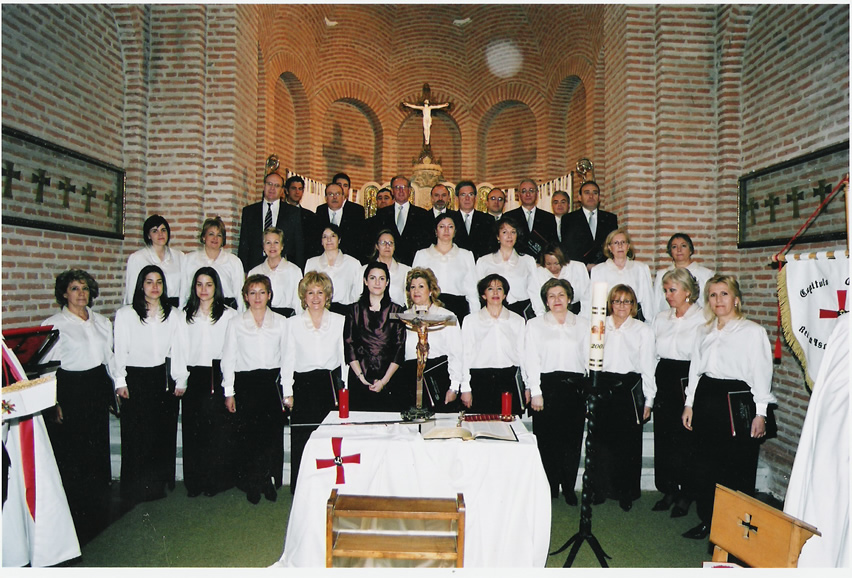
{"points": [[506, 404], [343, 403]]}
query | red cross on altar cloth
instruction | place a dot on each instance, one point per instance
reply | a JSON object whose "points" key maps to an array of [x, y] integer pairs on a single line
{"points": [[338, 460]]}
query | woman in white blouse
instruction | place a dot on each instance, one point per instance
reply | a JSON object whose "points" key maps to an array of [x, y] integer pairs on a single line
{"points": [[552, 264], [629, 361], [201, 339], [518, 270], [676, 330], [156, 234], [453, 268], [343, 270], [620, 268], [385, 248], [145, 339], [283, 275], [731, 354], [251, 369], [681, 250], [79, 431], [493, 345], [313, 367], [230, 268], [555, 361], [443, 375]]}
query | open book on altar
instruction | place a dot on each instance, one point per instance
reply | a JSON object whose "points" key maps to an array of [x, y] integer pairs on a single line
{"points": [[449, 428]]}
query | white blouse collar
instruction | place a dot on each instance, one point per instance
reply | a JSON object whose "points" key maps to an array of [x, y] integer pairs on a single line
{"points": [[309, 323]]}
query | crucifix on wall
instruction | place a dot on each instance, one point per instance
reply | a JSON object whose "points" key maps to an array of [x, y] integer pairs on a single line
{"points": [[426, 107]]}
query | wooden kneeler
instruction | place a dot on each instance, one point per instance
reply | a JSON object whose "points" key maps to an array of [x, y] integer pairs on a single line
{"points": [[755, 533], [370, 543]]}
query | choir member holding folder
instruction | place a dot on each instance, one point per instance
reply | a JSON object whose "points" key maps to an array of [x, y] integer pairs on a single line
{"points": [[313, 364], [628, 367], [206, 432], [373, 343], [555, 362], [251, 374], [732, 360], [145, 338], [518, 270]]}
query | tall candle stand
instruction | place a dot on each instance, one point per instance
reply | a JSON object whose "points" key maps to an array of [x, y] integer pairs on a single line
{"points": [[594, 390]]}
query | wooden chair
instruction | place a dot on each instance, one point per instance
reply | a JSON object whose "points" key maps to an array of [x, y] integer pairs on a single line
{"points": [[755, 533], [397, 544]]}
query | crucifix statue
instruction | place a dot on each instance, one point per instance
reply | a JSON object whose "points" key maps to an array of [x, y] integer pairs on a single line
{"points": [[426, 108]]}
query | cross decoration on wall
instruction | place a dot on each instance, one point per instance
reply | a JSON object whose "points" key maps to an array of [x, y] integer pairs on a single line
{"points": [[338, 460]]}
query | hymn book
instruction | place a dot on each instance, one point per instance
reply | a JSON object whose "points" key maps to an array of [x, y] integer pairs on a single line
{"points": [[443, 429]]}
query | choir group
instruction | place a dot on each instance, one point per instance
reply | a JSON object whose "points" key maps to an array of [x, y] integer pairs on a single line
{"points": [[236, 348]]}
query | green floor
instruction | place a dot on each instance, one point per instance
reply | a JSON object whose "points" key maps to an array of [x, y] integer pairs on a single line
{"points": [[227, 531]]}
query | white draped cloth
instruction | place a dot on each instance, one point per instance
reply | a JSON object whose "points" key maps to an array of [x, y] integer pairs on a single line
{"points": [[818, 492]]}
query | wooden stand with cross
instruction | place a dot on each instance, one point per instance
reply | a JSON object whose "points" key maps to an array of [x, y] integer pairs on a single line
{"points": [[757, 534]]}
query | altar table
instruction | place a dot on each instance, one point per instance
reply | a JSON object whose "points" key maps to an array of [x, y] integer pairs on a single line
{"points": [[504, 485]]}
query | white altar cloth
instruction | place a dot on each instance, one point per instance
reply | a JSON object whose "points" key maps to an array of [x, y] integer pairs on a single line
{"points": [[505, 489]]}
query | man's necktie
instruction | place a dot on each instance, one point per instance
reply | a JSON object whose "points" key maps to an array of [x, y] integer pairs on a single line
{"points": [[530, 220], [334, 217], [467, 222], [593, 225], [267, 222], [400, 222]]}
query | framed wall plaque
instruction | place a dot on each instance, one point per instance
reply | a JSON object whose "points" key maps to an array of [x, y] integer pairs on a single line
{"points": [[775, 201], [50, 187]]}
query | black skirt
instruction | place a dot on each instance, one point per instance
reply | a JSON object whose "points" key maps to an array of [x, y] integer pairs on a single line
{"points": [[81, 443], [259, 428], [314, 396], [207, 435], [148, 433]]}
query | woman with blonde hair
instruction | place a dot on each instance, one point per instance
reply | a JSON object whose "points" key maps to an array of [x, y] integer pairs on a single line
{"points": [[312, 374], [731, 364], [621, 269], [213, 237]]}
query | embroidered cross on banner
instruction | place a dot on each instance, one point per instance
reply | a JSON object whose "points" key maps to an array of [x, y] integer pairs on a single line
{"points": [[841, 303], [338, 460]]}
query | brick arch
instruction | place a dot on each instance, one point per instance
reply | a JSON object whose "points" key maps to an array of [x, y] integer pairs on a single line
{"points": [[568, 122], [492, 102], [519, 162]]}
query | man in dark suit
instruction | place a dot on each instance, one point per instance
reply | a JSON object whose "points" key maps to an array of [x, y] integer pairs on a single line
{"points": [[271, 211], [413, 225], [495, 203], [541, 225], [475, 230], [294, 189], [440, 196], [347, 215], [559, 202], [585, 230]]}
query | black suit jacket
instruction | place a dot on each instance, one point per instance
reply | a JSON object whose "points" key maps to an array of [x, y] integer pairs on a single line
{"points": [[482, 239], [351, 229], [419, 231], [250, 250], [543, 231], [577, 237]]}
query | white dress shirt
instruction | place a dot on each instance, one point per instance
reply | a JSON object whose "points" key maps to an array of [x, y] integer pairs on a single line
{"points": [[490, 342], [519, 271], [249, 347], [740, 350], [82, 345], [635, 274], [308, 348], [455, 271], [675, 335], [140, 344], [397, 288], [553, 346], [630, 348], [172, 266], [445, 341], [701, 274], [227, 265], [199, 343], [345, 276], [285, 283], [274, 206], [574, 272]]}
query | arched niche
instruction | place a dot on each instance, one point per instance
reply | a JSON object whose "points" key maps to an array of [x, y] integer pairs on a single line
{"points": [[291, 123], [568, 126], [508, 137], [352, 141], [445, 140]]}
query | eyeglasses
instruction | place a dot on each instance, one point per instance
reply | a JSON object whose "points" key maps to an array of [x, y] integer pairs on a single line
{"points": [[386, 243], [334, 194], [274, 185], [400, 187], [496, 199], [622, 302], [467, 194]]}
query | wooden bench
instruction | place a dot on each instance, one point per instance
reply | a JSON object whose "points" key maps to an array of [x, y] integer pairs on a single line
{"points": [[394, 544], [755, 533]]}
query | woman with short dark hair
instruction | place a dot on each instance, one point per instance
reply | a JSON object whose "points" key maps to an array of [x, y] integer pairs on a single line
{"points": [[156, 234], [681, 249], [552, 264], [518, 270], [145, 339], [214, 236], [384, 253], [79, 433], [201, 339], [343, 270]]}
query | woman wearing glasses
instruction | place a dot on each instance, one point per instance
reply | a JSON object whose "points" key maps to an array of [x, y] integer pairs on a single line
{"points": [[620, 268]]}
